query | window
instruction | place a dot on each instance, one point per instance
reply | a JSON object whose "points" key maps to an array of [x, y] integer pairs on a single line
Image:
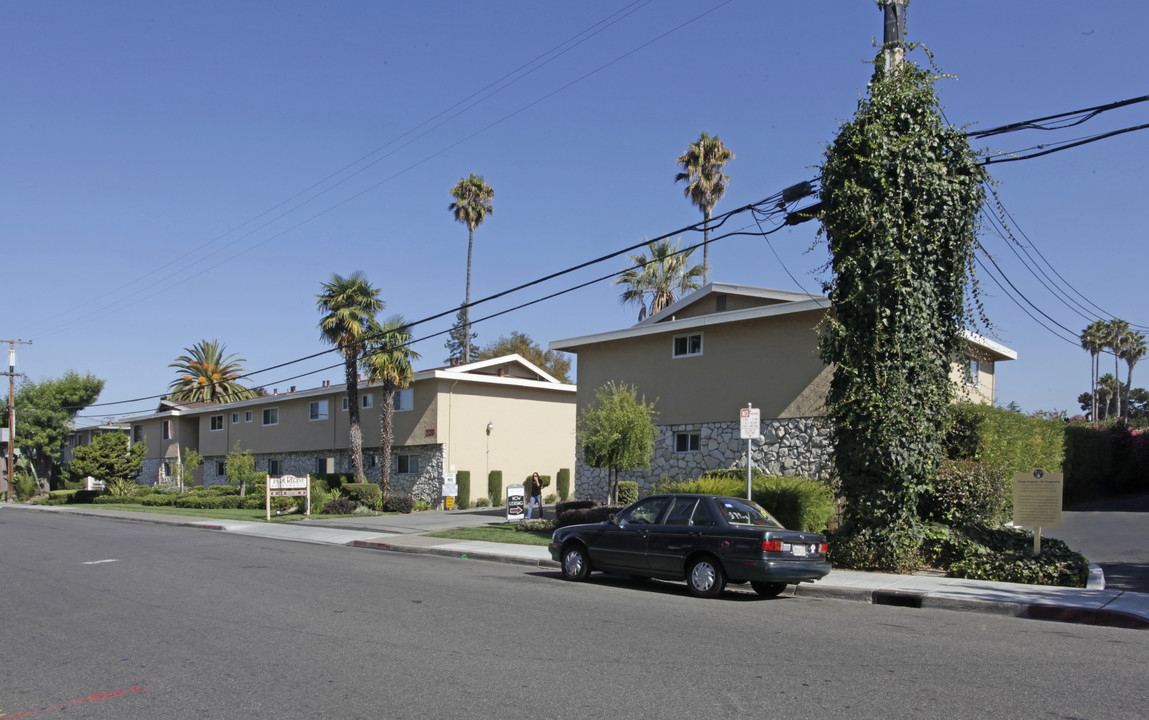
{"points": [[687, 442], [685, 345], [408, 464], [344, 403], [216, 422], [167, 430], [234, 418], [137, 433], [271, 416], [972, 371], [403, 399], [166, 469], [688, 511], [247, 416], [274, 467], [369, 460], [366, 401], [644, 512], [221, 468], [318, 410]]}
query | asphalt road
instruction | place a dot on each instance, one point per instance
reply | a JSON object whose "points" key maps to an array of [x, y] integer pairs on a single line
{"points": [[130, 620], [1114, 533]]}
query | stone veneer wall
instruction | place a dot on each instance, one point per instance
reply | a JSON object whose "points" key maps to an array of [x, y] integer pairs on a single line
{"points": [[793, 446]]}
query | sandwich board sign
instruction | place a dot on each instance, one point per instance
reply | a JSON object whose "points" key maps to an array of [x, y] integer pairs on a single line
{"points": [[516, 502]]}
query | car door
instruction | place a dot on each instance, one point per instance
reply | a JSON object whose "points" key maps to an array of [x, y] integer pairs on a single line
{"points": [[622, 545], [686, 526]]}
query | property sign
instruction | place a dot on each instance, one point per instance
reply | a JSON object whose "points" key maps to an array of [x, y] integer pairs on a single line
{"points": [[94, 484], [288, 486], [750, 420], [450, 485], [516, 502], [1037, 499]]}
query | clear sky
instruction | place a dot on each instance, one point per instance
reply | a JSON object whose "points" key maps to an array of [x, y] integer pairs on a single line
{"points": [[173, 172]]}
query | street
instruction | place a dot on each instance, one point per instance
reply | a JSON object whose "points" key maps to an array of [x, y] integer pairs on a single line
{"points": [[131, 620]]}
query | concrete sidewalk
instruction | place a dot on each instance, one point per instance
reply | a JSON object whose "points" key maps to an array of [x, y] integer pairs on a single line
{"points": [[1114, 608]]}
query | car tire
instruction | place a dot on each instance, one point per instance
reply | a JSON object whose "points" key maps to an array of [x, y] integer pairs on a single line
{"points": [[575, 564], [705, 577], [768, 589]]}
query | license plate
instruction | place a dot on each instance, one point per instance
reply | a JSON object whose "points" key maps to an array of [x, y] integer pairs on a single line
{"points": [[800, 550]]}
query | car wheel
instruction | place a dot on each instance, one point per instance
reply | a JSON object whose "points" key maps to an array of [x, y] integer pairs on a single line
{"points": [[768, 589], [575, 563], [705, 577]]}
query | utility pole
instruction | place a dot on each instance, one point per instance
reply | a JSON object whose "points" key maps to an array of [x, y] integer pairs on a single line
{"points": [[894, 36], [12, 413]]}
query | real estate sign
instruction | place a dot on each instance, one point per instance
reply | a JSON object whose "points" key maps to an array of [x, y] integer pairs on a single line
{"points": [[288, 486]]}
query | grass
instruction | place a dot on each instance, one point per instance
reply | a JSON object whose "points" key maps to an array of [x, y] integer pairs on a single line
{"points": [[219, 513], [501, 533]]}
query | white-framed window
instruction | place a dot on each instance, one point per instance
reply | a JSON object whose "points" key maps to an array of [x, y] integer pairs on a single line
{"points": [[403, 400], [972, 371], [686, 345], [317, 410], [274, 467], [216, 422], [166, 431], [166, 469], [365, 401], [271, 416], [248, 416], [234, 418], [687, 442], [407, 464]]}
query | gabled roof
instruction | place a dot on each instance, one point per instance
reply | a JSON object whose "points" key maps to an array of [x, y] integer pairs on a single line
{"points": [[764, 296]]}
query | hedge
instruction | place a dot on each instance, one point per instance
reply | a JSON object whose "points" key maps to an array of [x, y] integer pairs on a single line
{"points": [[463, 480], [563, 483], [968, 492], [366, 494], [798, 503], [1002, 438], [495, 487], [627, 492]]}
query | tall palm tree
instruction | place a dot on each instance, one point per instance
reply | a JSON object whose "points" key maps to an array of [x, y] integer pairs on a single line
{"points": [[1093, 340], [702, 165], [471, 207], [1132, 350], [1116, 333], [662, 277], [348, 305], [388, 361], [207, 375]]}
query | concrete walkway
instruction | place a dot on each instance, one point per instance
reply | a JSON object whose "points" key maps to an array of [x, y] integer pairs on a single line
{"points": [[404, 533]]}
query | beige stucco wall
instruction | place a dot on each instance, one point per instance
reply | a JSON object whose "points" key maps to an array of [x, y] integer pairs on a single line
{"points": [[983, 392], [770, 362]]}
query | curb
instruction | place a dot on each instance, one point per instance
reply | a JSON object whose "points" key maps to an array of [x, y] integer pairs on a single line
{"points": [[456, 554]]}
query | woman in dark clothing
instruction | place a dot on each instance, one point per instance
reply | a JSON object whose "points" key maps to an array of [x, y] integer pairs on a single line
{"points": [[536, 496]]}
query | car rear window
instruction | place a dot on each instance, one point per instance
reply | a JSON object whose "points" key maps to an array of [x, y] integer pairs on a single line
{"points": [[743, 512]]}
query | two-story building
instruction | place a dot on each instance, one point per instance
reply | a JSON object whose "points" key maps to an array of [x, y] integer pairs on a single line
{"points": [[501, 414], [724, 348]]}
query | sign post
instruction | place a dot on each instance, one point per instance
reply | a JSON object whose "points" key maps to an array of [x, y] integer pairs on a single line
{"points": [[288, 486], [1037, 502], [750, 423], [516, 502]]}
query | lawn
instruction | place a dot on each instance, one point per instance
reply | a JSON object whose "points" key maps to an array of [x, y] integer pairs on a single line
{"points": [[503, 533], [218, 513]]}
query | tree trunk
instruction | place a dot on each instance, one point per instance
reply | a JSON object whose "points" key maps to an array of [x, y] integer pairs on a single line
{"points": [[467, 303], [705, 246], [386, 437], [355, 434]]}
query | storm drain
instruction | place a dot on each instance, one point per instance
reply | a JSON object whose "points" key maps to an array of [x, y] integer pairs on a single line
{"points": [[896, 598]]}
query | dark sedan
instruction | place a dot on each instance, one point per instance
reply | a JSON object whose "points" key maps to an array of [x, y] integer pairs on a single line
{"points": [[706, 540]]}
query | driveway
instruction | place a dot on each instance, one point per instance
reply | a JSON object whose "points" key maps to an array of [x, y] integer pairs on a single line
{"points": [[1114, 533]]}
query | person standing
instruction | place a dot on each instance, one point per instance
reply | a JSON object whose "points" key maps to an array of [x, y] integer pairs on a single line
{"points": [[536, 496]]}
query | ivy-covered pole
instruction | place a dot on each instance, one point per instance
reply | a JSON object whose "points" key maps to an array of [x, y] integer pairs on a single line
{"points": [[901, 192]]}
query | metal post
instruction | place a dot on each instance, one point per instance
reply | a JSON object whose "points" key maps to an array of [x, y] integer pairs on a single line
{"points": [[749, 459]]}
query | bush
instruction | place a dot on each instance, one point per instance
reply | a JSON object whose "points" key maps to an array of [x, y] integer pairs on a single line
{"points": [[551, 499], [968, 492], [340, 506], [627, 492], [422, 506], [495, 487], [563, 483], [144, 490], [159, 500], [85, 496], [25, 485], [463, 479], [798, 503], [399, 503], [483, 502], [366, 494], [568, 505], [1003, 438], [598, 513], [1005, 555], [219, 490], [115, 500]]}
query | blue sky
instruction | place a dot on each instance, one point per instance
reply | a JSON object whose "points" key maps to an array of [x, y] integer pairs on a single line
{"points": [[174, 172]]}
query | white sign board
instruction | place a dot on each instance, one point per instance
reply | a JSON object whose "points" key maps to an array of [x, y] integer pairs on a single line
{"points": [[287, 486], [750, 420], [450, 485], [516, 502], [94, 484]]}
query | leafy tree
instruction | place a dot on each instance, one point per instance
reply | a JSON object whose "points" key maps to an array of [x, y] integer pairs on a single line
{"points": [[349, 305], [702, 165], [45, 414], [186, 467], [556, 364], [207, 375], [471, 207], [617, 432], [388, 361], [111, 458], [458, 339], [901, 193], [240, 468], [661, 278]]}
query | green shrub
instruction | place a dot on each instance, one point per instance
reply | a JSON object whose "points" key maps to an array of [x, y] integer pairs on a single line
{"points": [[483, 502], [798, 503], [1003, 554], [319, 493], [968, 492], [627, 492], [422, 506], [563, 483], [399, 503], [569, 505], [495, 487], [144, 491], [339, 506], [463, 479], [85, 496], [551, 499], [115, 500], [159, 499], [220, 490], [1006, 439], [25, 485], [366, 494]]}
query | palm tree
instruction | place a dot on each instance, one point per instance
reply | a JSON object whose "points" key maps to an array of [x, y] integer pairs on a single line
{"points": [[1116, 333], [1093, 340], [349, 305], [1132, 350], [471, 207], [207, 375], [662, 277], [702, 165], [388, 361], [1108, 387]]}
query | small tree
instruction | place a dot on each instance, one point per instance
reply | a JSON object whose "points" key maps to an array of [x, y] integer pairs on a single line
{"points": [[111, 458], [240, 468], [617, 432], [186, 467]]}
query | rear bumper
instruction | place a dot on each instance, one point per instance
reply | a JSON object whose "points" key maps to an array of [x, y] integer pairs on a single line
{"points": [[787, 571]]}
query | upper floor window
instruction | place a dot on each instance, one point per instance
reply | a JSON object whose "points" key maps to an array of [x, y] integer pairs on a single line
{"points": [[271, 416], [404, 399], [216, 422], [166, 431], [365, 401], [685, 345], [234, 418], [318, 410], [137, 433], [247, 416], [972, 371]]}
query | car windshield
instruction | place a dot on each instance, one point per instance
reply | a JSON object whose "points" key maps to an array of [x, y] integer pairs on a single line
{"points": [[745, 512]]}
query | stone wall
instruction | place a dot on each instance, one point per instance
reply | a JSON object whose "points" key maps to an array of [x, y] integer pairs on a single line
{"points": [[793, 446]]}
